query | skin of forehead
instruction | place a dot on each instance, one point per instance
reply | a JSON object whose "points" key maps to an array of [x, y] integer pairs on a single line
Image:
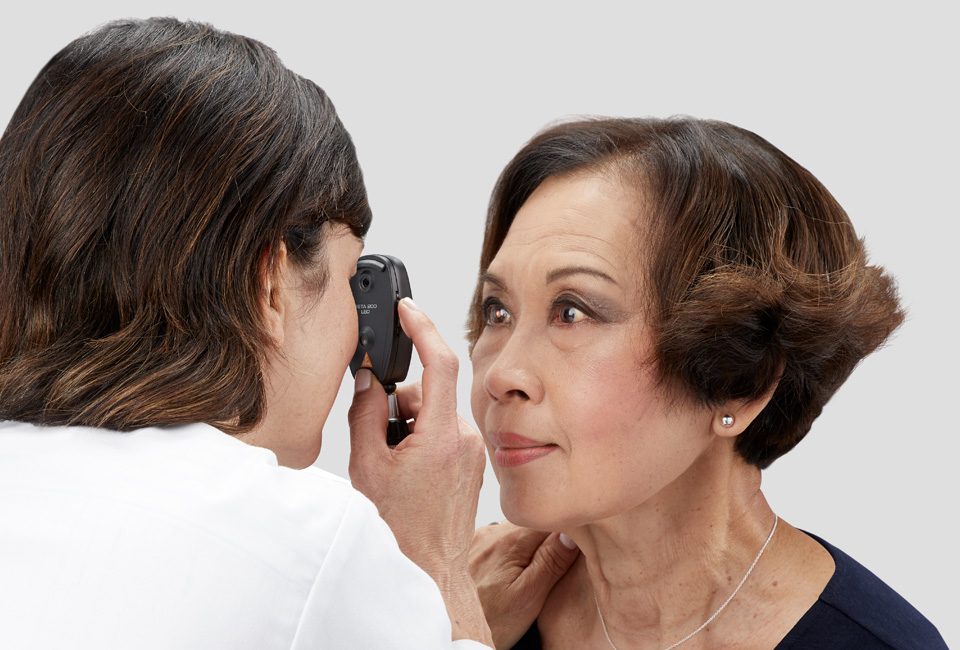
{"points": [[576, 225]]}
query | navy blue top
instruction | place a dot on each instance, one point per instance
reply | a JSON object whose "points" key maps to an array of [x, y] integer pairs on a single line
{"points": [[856, 610]]}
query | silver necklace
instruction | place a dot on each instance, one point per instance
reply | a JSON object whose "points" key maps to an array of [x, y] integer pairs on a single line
{"points": [[716, 613]]}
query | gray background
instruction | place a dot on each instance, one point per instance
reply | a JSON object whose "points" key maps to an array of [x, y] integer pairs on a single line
{"points": [[438, 96]]}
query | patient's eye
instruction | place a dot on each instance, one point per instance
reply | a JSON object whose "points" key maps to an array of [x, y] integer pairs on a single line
{"points": [[495, 313], [570, 310], [570, 314]]}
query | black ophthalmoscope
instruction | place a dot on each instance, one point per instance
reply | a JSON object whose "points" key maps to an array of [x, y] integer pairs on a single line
{"points": [[383, 347]]}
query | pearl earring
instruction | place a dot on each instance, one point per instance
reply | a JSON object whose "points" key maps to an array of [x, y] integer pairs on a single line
{"points": [[727, 420]]}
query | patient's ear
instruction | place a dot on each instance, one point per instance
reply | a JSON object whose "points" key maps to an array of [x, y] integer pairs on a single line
{"points": [[734, 417], [272, 299]]}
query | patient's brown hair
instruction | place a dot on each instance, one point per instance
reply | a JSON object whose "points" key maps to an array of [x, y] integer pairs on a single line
{"points": [[754, 275], [149, 174]]}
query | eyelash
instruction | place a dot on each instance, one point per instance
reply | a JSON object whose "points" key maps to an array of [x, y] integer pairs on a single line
{"points": [[491, 304]]}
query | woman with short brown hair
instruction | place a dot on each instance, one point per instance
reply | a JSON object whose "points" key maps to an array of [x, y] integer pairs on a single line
{"points": [[664, 308]]}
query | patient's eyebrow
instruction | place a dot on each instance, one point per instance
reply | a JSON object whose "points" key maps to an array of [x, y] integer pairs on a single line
{"points": [[489, 278], [559, 274]]}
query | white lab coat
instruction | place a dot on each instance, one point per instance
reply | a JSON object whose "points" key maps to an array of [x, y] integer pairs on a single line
{"points": [[187, 538]]}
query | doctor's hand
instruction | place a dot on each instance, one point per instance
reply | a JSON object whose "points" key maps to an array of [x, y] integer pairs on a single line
{"points": [[514, 569], [426, 488]]}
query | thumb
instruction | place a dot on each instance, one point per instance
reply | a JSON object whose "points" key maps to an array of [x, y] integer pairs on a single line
{"points": [[367, 418], [550, 562]]}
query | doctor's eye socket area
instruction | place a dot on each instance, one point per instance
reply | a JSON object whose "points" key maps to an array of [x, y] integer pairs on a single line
{"points": [[737, 294]]}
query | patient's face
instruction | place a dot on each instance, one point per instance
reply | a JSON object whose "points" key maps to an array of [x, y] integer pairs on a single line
{"points": [[575, 425]]}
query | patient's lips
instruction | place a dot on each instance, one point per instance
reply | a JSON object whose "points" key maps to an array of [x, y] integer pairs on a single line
{"points": [[512, 449]]}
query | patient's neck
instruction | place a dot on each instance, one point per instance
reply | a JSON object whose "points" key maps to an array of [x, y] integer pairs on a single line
{"points": [[669, 563]]}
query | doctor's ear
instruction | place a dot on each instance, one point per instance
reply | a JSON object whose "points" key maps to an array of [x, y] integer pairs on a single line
{"points": [[734, 417], [272, 298]]}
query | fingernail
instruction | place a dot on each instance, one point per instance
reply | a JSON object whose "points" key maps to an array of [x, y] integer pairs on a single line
{"points": [[566, 541], [409, 303], [362, 380]]}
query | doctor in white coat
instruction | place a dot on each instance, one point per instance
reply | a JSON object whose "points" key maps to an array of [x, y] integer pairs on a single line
{"points": [[180, 216]]}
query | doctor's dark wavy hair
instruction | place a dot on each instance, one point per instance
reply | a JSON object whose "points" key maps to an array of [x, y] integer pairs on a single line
{"points": [[752, 271], [147, 180]]}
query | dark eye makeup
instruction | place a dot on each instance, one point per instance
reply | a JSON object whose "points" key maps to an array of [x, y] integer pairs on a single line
{"points": [[563, 310]]}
